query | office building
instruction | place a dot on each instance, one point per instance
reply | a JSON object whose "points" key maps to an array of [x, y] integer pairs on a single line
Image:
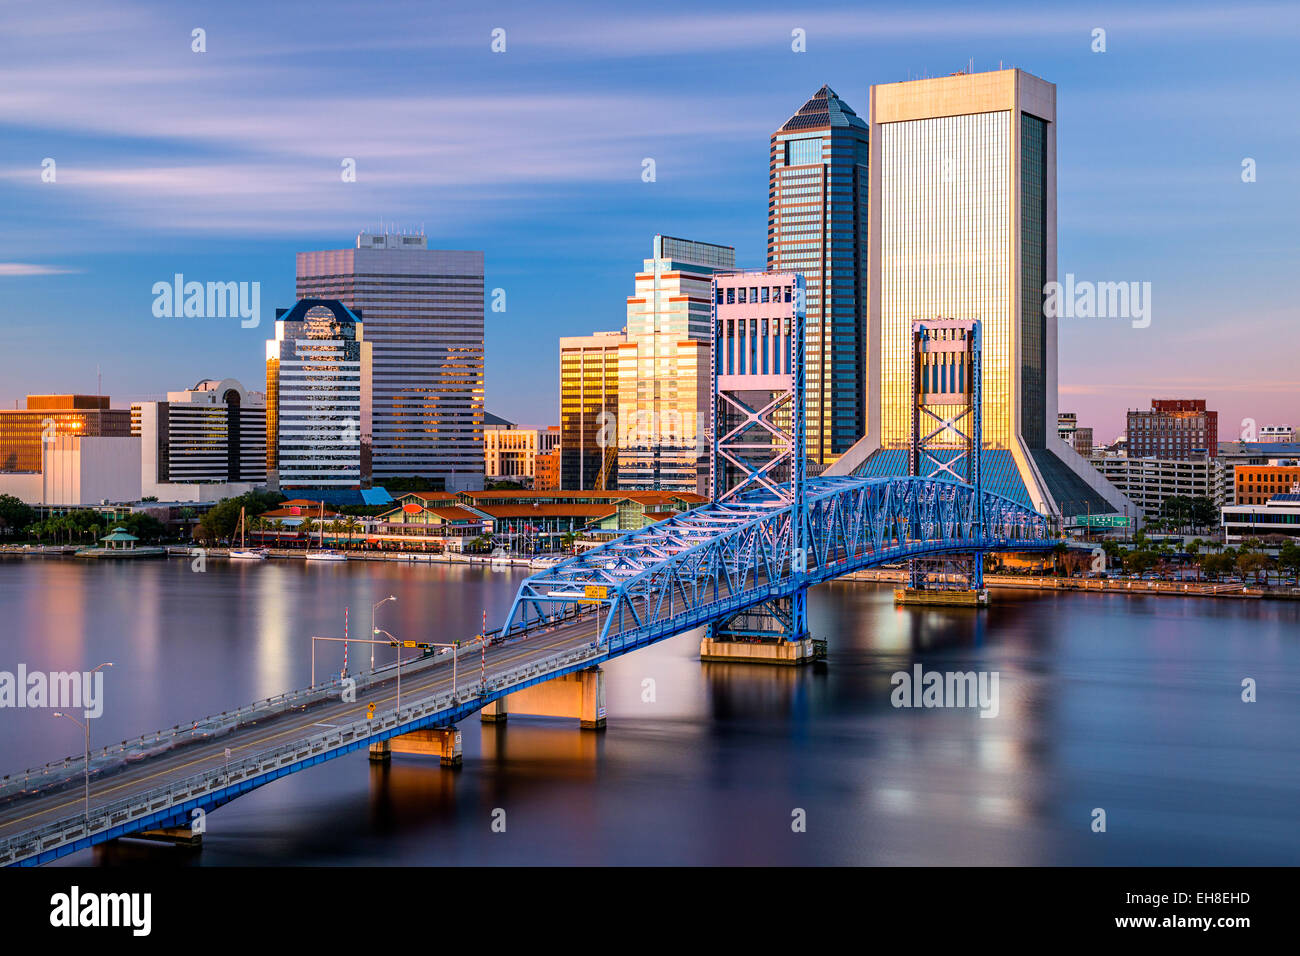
{"points": [[46, 417], [663, 392], [510, 454], [1257, 484], [423, 313], [1276, 433], [1177, 428], [589, 399], [817, 224], [202, 444], [80, 471], [317, 396], [963, 226]]}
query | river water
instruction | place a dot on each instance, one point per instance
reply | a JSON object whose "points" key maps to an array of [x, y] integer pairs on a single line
{"points": [[1127, 704]]}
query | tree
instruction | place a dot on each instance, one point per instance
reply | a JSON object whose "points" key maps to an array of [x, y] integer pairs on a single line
{"points": [[15, 513]]}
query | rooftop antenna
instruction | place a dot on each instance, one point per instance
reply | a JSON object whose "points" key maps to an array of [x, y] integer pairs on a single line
{"points": [[99, 382]]}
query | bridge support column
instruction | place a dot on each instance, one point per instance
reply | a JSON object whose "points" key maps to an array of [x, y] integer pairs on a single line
{"points": [[380, 752], [495, 712], [440, 742], [580, 694], [176, 836], [773, 632]]}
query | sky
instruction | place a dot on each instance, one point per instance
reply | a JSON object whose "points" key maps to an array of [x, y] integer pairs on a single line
{"points": [[221, 164]]}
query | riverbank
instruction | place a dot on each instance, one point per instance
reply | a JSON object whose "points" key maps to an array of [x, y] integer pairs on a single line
{"points": [[1205, 589]]}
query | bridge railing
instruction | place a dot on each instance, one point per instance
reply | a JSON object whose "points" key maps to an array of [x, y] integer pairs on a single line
{"points": [[114, 756], [221, 775]]}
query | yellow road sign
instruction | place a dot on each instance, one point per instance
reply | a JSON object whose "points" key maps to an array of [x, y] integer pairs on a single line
{"points": [[596, 592]]}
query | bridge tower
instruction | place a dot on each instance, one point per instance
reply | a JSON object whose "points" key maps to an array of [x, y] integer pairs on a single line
{"points": [[758, 460], [946, 438]]}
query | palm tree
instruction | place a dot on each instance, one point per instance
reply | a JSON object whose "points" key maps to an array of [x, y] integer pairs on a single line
{"points": [[351, 525]]}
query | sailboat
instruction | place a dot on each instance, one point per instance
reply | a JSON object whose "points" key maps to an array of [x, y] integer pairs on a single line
{"points": [[241, 552], [322, 553]]}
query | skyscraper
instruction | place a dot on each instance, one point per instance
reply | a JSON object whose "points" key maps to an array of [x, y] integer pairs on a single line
{"points": [[817, 225], [664, 392], [318, 395], [589, 411], [423, 313], [963, 226]]}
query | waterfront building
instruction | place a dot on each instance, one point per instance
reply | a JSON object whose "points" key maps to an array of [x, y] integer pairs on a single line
{"points": [[202, 444], [589, 410], [963, 225], [317, 395], [1177, 428], [48, 416], [818, 225], [423, 313], [663, 367], [1280, 515]]}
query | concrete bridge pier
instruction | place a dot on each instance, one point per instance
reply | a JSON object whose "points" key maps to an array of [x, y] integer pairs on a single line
{"points": [[772, 632], [580, 694], [176, 836], [441, 742]]}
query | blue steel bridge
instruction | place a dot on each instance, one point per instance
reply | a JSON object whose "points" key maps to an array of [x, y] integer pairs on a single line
{"points": [[691, 570]]}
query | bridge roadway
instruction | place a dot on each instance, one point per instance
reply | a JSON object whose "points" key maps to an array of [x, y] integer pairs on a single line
{"points": [[422, 679]]}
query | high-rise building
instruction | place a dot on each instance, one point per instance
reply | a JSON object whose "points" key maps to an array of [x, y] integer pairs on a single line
{"points": [[1181, 429], [589, 411], [46, 417], [202, 441], [817, 224], [423, 313], [963, 226], [663, 403], [318, 395]]}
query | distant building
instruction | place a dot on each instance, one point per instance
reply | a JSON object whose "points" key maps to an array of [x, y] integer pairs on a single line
{"points": [[79, 472], [1180, 429], [202, 444], [1276, 433], [510, 454], [818, 225], [317, 395], [589, 399], [423, 312], [1068, 430], [663, 386], [49, 416], [1149, 482]]}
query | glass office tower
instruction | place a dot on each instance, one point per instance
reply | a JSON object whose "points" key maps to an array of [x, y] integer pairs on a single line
{"points": [[818, 224], [424, 318], [963, 226]]}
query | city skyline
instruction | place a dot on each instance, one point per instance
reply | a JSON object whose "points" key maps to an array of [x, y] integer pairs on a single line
{"points": [[185, 199]]}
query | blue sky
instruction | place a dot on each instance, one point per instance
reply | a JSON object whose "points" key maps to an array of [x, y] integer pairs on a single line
{"points": [[222, 165]]}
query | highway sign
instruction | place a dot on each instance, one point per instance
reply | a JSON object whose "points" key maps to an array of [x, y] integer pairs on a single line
{"points": [[1099, 521]]}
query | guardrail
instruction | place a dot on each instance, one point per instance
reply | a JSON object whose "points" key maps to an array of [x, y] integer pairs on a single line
{"points": [[57, 774], [139, 806]]}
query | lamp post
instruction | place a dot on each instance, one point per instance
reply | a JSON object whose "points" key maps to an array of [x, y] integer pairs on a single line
{"points": [[375, 608], [398, 644], [85, 725]]}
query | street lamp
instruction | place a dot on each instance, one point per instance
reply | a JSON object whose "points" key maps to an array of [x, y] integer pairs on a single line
{"points": [[398, 644], [390, 597], [85, 725]]}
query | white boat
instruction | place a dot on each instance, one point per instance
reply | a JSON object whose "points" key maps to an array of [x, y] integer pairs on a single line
{"points": [[322, 553], [241, 552], [326, 556]]}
